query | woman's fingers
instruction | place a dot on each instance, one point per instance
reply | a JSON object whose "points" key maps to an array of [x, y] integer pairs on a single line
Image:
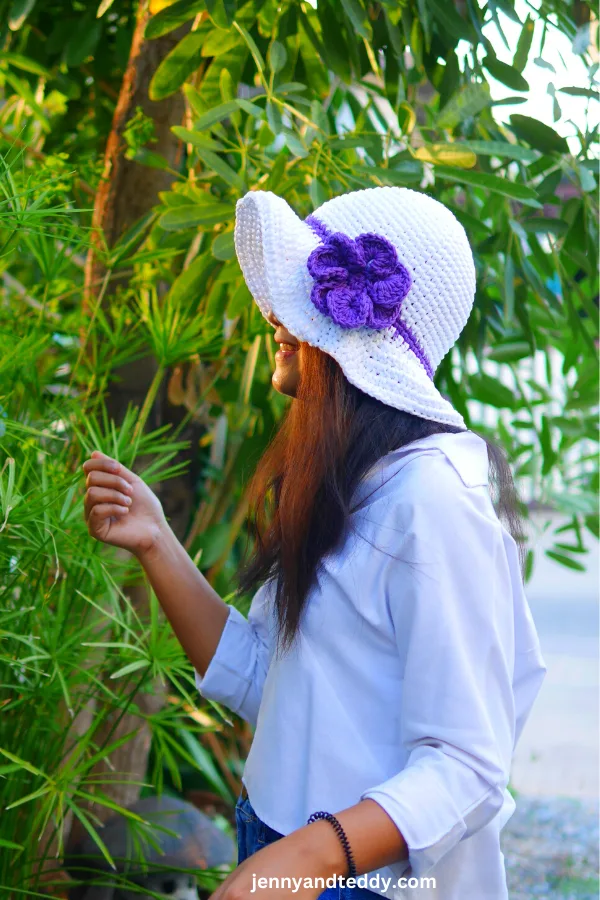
{"points": [[99, 462], [100, 496], [102, 511], [99, 478]]}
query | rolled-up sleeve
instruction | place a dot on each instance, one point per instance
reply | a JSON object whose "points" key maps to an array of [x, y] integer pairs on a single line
{"points": [[236, 674], [451, 601]]}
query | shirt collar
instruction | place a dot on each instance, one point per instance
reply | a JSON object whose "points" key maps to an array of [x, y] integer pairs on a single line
{"points": [[465, 451]]}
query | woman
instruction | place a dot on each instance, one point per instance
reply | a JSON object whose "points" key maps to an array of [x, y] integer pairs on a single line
{"points": [[389, 659]]}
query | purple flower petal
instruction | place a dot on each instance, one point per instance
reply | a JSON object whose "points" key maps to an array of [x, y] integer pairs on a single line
{"points": [[381, 258], [382, 316], [338, 252], [348, 308], [390, 292], [318, 296]]}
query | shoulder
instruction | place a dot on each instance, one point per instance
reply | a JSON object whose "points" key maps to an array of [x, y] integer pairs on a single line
{"points": [[432, 470], [439, 491], [451, 460]]}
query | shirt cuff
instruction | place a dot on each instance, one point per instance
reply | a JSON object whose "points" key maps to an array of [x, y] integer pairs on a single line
{"points": [[426, 812], [230, 671]]}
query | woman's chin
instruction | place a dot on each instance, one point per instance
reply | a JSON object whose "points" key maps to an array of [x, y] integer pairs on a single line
{"points": [[286, 376]]}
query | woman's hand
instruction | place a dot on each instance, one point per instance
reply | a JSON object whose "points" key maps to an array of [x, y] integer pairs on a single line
{"points": [[295, 861], [119, 508], [315, 852]]}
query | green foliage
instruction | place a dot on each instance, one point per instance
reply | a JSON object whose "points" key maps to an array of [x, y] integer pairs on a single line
{"points": [[307, 103], [75, 651]]}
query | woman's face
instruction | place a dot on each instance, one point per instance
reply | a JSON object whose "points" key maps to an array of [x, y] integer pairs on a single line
{"points": [[287, 364]]}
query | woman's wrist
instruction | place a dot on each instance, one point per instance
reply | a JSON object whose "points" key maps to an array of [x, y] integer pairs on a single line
{"points": [[156, 544], [321, 845], [374, 841]]}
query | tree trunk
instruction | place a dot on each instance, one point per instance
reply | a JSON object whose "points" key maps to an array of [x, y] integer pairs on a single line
{"points": [[127, 191]]}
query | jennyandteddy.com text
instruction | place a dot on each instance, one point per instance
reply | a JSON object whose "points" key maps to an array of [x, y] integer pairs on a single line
{"points": [[369, 882]]}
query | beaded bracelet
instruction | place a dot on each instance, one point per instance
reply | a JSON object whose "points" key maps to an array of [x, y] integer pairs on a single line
{"points": [[352, 873]]}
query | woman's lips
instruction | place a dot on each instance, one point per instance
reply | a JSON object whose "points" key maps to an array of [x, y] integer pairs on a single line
{"points": [[283, 353]]}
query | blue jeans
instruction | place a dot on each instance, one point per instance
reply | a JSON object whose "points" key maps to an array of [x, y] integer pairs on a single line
{"points": [[253, 834]]}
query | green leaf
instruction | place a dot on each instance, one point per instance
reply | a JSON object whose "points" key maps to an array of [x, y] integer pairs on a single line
{"points": [[294, 144], [221, 168], [464, 104], [334, 51], [197, 138], [491, 183], [541, 224], [24, 63], [256, 54], [204, 761], [523, 45], [538, 134], [191, 283], [23, 763], [215, 115], [274, 118], [19, 11], [241, 299], [548, 453], [572, 548], [575, 504], [222, 12], [509, 101], [253, 109], [223, 247], [409, 171], [510, 352], [172, 17], [450, 154], [581, 92], [358, 18], [566, 561], [177, 65], [131, 238], [538, 61], [395, 36], [505, 74], [509, 287], [317, 193], [104, 7], [131, 667], [83, 42], [486, 389], [501, 149], [194, 214], [219, 42], [451, 22], [81, 815], [277, 56], [10, 845]]}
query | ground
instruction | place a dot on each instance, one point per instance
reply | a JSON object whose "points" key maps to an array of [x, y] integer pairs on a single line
{"points": [[551, 841]]}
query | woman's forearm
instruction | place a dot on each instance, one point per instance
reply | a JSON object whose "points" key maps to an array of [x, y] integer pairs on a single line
{"points": [[373, 837], [194, 609]]}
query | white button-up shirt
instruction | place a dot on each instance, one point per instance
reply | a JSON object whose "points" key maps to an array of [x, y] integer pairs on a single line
{"points": [[415, 668]]}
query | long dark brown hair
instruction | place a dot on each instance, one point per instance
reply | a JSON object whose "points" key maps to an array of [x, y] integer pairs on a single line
{"points": [[301, 491]]}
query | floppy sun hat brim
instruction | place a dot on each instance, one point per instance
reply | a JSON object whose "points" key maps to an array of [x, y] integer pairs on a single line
{"points": [[273, 246]]}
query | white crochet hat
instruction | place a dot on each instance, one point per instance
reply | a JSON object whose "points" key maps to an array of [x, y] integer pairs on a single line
{"points": [[381, 279]]}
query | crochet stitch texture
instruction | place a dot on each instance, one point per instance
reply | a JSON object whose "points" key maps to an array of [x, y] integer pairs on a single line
{"points": [[394, 363]]}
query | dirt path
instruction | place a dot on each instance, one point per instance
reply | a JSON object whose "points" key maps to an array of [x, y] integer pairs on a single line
{"points": [[551, 849]]}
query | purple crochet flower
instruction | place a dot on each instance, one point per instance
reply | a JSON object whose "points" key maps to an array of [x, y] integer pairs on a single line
{"points": [[358, 282]]}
